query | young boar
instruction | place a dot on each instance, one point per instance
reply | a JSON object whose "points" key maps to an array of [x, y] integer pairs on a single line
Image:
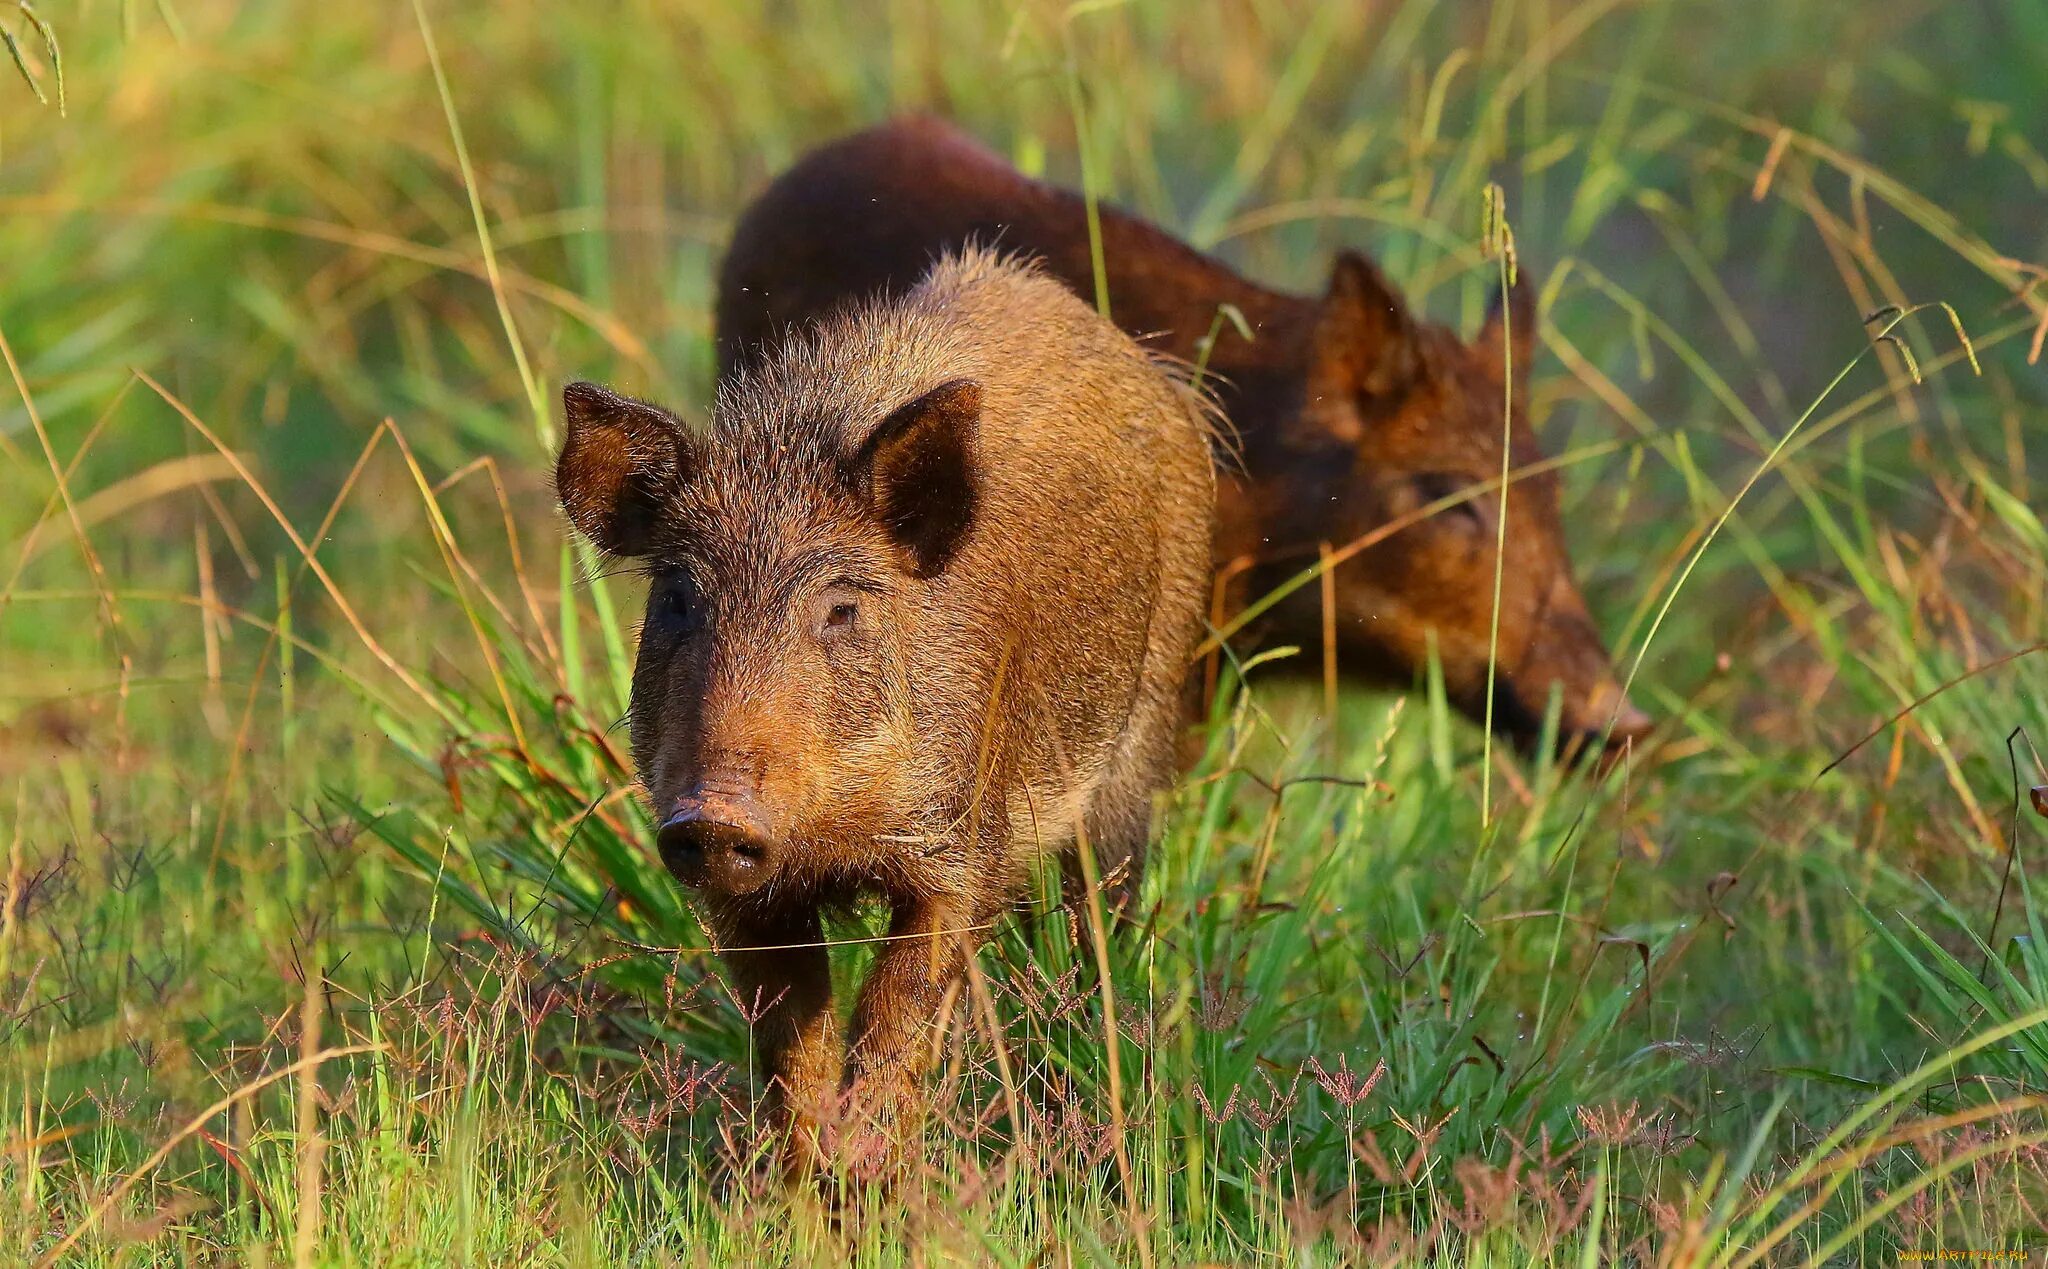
{"points": [[1350, 410], [922, 601]]}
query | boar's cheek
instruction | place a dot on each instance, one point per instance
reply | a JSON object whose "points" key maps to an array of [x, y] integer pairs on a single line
{"points": [[621, 460], [917, 471]]}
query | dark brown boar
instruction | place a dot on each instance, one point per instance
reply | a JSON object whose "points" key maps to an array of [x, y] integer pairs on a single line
{"points": [[1351, 412], [922, 601]]}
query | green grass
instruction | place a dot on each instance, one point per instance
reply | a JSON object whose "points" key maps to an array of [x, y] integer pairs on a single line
{"points": [[300, 684]]}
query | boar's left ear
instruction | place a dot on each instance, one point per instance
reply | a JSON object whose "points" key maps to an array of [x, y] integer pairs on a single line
{"points": [[1510, 320], [917, 470], [1365, 330], [619, 463]]}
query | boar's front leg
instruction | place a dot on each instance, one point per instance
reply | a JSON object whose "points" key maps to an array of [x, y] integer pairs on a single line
{"points": [[897, 1022], [783, 979]]}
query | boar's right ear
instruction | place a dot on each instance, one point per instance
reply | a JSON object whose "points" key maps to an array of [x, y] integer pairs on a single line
{"points": [[917, 470], [1365, 329], [619, 463]]}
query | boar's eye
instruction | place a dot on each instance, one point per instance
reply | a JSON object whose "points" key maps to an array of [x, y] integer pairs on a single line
{"points": [[1435, 486], [836, 612], [673, 606]]}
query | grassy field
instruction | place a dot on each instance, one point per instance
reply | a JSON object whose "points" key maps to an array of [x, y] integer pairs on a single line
{"points": [[330, 933]]}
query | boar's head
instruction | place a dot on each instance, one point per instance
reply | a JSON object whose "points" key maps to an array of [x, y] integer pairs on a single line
{"points": [[1399, 414], [771, 717]]}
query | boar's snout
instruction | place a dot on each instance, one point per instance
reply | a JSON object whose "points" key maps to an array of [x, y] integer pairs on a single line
{"points": [[1603, 725], [1629, 728], [718, 840], [1630, 725]]}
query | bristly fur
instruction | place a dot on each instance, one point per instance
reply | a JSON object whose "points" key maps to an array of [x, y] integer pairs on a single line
{"points": [[1016, 503], [1204, 388]]}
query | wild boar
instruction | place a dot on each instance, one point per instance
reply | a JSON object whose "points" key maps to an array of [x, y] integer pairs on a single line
{"points": [[922, 600], [1350, 410]]}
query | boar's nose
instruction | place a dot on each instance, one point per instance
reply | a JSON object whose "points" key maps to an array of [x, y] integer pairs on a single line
{"points": [[717, 841], [1621, 725], [1609, 711], [1630, 724]]}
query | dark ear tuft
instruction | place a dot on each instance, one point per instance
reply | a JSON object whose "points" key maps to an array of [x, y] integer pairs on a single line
{"points": [[1365, 329], [917, 470], [620, 461], [1511, 317]]}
